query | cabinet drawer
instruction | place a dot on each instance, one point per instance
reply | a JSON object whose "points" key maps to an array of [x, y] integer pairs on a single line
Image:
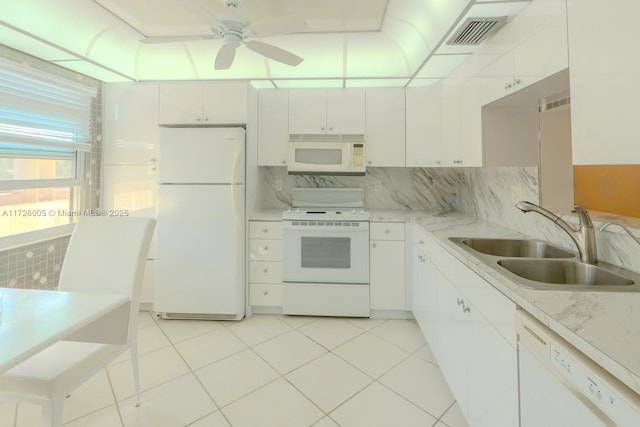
{"points": [[265, 272], [265, 250], [265, 294], [386, 231], [265, 229]]}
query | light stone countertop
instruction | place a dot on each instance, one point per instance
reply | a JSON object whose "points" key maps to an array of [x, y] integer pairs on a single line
{"points": [[603, 325]]}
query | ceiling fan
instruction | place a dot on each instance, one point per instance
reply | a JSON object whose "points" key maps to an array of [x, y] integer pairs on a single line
{"points": [[234, 30]]}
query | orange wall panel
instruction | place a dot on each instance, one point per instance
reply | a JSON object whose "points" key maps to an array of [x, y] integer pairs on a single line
{"points": [[608, 188]]}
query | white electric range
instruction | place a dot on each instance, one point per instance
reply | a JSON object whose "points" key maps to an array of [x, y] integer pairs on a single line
{"points": [[326, 253]]}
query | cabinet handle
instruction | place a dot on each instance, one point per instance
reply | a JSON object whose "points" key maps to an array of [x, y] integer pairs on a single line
{"points": [[508, 86], [266, 270], [284, 162], [438, 162], [266, 248], [421, 242], [265, 293], [198, 119], [516, 82], [152, 160], [373, 245], [265, 230], [460, 301], [153, 168], [466, 309], [330, 129], [206, 119], [387, 231], [322, 128], [369, 162]]}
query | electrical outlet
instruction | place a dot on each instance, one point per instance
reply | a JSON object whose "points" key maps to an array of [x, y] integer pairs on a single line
{"points": [[377, 185], [516, 193], [278, 185]]}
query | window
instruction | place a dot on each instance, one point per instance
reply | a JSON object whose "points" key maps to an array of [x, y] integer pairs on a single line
{"points": [[44, 133]]}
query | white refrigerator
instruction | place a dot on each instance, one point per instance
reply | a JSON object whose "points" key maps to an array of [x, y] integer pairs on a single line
{"points": [[200, 231]]}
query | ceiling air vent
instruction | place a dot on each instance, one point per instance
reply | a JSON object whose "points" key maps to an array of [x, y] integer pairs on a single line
{"points": [[475, 30]]}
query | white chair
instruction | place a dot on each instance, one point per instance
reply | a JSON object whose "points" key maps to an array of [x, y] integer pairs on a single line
{"points": [[105, 255]]}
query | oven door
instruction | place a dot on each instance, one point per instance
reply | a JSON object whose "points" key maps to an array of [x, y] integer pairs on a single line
{"points": [[326, 251]]}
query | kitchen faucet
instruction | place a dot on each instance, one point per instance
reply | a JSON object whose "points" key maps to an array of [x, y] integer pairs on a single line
{"points": [[584, 236]]}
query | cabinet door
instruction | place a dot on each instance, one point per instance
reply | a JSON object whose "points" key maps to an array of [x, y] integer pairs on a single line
{"points": [[346, 111], [451, 331], [273, 127], [130, 127], [605, 81], [385, 127], [387, 275], [492, 374], [224, 103], [423, 125], [544, 51], [307, 111], [130, 187], [180, 104]]}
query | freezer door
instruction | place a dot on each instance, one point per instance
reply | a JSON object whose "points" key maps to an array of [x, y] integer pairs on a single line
{"points": [[201, 155], [200, 253]]}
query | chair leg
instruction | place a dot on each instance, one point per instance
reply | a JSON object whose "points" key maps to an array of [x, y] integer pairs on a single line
{"points": [[133, 347], [52, 412]]}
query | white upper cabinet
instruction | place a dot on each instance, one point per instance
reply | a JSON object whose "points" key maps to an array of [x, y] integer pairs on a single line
{"points": [[424, 147], [605, 81], [318, 111], [385, 127], [541, 42], [203, 104], [530, 47], [130, 124], [273, 127]]}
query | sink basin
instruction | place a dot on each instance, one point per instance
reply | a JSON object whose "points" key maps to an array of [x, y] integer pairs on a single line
{"points": [[513, 247], [563, 272]]}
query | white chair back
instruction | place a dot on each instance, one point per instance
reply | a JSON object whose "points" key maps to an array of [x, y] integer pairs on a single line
{"points": [[108, 255]]}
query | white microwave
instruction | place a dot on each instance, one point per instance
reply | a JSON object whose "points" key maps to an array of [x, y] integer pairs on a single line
{"points": [[326, 155]]}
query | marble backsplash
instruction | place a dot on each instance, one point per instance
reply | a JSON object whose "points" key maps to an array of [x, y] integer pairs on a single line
{"points": [[384, 188], [488, 193]]}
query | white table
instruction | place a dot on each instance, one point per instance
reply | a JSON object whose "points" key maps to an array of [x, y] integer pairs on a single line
{"points": [[32, 320]]}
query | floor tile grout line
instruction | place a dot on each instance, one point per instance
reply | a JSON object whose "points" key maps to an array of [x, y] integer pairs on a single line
{"points": [[190, 372], [283, 375], [409, 401], [445, 413]]}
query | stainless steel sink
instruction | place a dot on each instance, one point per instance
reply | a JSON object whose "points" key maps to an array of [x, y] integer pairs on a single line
{"points": [[563, 272], [537, 264], [514, 247]]}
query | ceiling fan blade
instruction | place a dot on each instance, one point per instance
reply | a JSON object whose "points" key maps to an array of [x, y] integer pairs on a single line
{"points": [[172, 39], [282, 25], [275, 53], [225, 56]]}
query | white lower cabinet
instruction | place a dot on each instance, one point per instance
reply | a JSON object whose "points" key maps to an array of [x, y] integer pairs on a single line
{"points": [[477, 356], [387, 266], [265, 263]]}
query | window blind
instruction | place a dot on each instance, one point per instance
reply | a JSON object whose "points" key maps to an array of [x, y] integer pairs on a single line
{"points": [[42, 112]]}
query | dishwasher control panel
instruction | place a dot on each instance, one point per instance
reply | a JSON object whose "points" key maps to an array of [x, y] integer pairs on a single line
{"points": [[588, 379]]}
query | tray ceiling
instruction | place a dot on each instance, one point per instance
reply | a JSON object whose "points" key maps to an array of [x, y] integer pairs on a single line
{"points": [[389, 42]]}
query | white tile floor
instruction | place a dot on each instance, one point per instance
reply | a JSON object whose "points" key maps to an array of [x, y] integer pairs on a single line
{"points": [[265, 371]]}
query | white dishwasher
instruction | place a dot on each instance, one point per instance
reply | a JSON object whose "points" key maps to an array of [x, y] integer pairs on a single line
{"points": [[561, 387]]}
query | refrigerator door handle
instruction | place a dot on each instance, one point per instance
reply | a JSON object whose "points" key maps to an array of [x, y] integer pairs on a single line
{"points": [[239, 217], [237, 160]]}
